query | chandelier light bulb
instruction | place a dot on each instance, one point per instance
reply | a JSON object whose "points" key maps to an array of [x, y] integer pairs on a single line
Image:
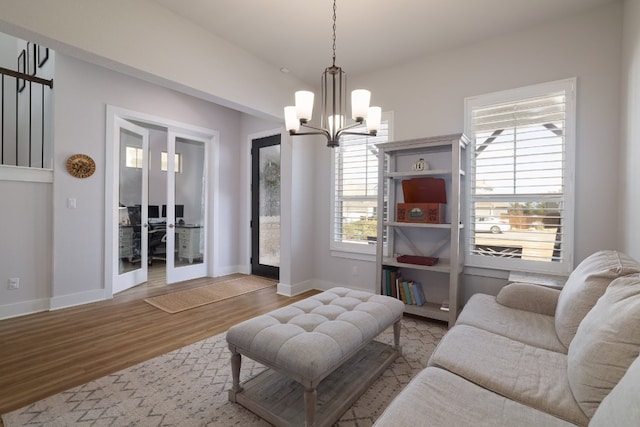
{"points": [[291, 121], [335, 123], [304, 105], [374, 119], [360, 99]]}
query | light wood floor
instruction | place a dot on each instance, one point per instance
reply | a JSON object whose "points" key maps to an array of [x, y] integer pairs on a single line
{"points": [[45, 353]]}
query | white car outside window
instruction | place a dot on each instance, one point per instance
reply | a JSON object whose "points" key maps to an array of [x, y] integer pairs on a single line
{"points": [[491, 224]]}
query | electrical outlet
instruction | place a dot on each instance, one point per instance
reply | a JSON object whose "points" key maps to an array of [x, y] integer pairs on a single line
{"points": [[14, 283]]}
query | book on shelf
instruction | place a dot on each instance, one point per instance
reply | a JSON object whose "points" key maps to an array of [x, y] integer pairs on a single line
{"points": [[397, 285], [421, 292], [394, 285], [385, 280], [394, 279], [389, 277], [417, 293], [407, 293]]}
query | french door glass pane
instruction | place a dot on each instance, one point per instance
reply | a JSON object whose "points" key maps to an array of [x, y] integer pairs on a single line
{"points": [[269, 207], [189, 202], [129, 204]]}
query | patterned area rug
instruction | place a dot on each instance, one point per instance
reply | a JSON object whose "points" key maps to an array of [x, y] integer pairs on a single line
{"points": [[175, 302], [188, 387]]}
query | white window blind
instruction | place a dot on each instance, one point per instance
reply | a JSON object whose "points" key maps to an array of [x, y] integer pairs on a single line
{"points": [[355, 197], [521, 202]]}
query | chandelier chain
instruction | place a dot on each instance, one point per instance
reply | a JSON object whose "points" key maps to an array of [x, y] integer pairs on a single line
{"points": [[334, 33]]}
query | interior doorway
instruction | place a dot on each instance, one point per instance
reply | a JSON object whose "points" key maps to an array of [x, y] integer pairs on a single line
{"points": [[265, 206], [159, 188]]}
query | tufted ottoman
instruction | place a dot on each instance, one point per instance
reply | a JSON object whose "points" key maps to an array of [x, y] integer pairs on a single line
{"points": [[329, 335]]}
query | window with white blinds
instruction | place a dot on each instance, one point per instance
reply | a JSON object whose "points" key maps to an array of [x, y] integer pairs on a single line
{"points": [[521, 178], [355, 195]]}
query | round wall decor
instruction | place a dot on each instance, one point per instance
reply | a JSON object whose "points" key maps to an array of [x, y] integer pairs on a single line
{"points": [[81, 166]]}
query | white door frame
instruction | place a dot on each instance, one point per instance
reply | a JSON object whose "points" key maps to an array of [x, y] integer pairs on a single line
{"points": [[111, 193]]}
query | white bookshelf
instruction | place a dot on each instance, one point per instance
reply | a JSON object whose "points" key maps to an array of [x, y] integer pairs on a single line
{"points": [[441, 281]]}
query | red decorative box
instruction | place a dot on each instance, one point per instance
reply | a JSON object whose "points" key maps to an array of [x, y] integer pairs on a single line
{"points": [[432, 213]]}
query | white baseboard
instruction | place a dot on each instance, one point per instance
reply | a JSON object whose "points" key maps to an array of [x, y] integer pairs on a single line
{"points": [[34, 306], [324, 286], [296, 289], [46, 304], [244, 269], [231, 269], [23, 308], [72, 300], [307, 285]]}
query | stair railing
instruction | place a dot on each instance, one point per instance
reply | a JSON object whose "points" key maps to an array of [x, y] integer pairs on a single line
{"points": [[20, 149]]}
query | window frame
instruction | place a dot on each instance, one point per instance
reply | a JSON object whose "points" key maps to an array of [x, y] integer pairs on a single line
{"points": [[164, 162], [348, 249], [137, 159], [516, 95]]}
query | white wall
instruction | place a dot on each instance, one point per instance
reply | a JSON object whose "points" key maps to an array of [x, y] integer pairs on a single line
{"points": [[427, 98], [630, 152], [26, 240], [303, 211], [169, 50]]}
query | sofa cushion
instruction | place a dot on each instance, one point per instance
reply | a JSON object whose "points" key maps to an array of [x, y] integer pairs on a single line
{"points": [[530, 375], [621, 407], [529, 297], [606, 343], [585, 285], [438, 398], [484, 312]]}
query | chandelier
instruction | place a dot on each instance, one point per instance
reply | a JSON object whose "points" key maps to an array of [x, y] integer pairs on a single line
{"points": [[334, 90]]}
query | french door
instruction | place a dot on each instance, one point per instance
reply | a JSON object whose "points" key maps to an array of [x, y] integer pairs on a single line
{"points": [[158, 202], [265, 206], [131, 207], [187, 193]]}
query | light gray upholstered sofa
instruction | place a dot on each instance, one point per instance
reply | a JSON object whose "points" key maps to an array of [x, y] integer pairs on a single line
{"points": [[535, 356]]}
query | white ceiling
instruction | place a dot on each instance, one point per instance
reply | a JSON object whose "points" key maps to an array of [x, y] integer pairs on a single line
{"points": [[371, 34]]}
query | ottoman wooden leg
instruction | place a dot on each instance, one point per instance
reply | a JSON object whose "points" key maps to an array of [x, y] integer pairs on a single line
{"points": [[310, 396], [236, 361], [396, 337]]}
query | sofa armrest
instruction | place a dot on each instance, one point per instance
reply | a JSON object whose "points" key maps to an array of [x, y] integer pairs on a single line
{"points": [[529, 297]]}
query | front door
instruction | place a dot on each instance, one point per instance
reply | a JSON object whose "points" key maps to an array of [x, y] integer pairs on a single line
{"points": [[265, 206]]}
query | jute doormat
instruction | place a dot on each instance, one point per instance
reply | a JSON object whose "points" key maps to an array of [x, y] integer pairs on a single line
{"points": [[184, 300]]}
